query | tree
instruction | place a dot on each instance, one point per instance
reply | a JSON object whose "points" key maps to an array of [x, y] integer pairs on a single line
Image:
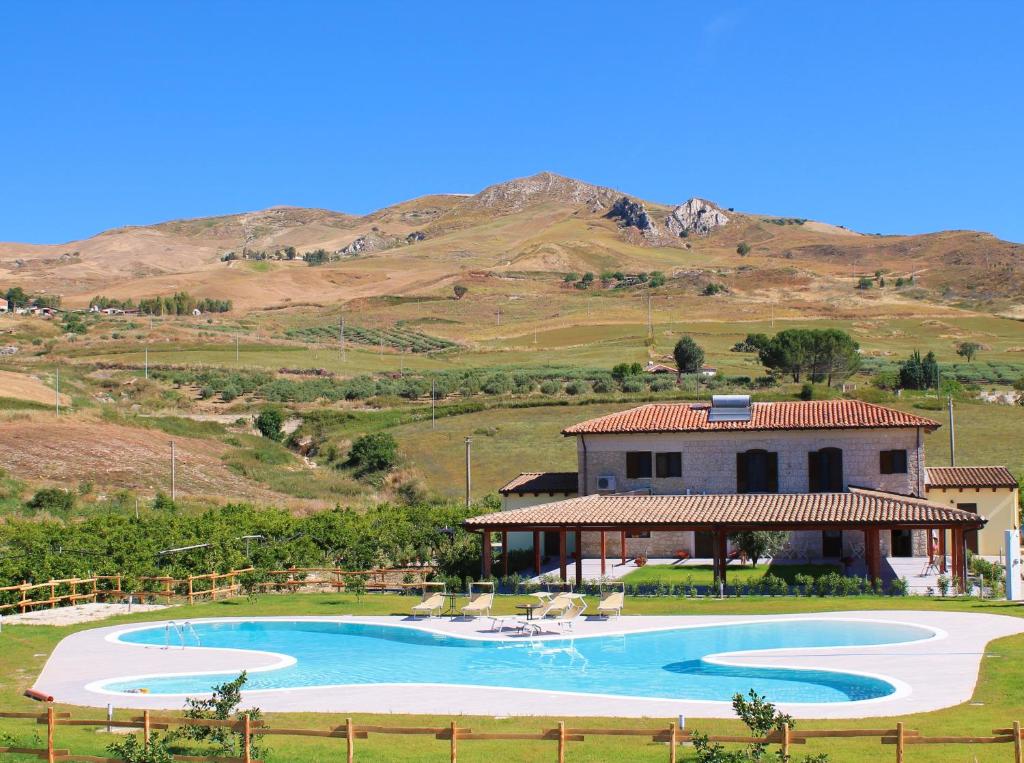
{"points": [[743, 249], [865, 283], [17, 297], [919, 373], [688, 355], [657, 279], [968, 350], [759, 544], [460, 290], [588, 278], [375, 452], [822, 354], [571, 277], [53, 500], [221, 706], [269, 423], [622, 371]]}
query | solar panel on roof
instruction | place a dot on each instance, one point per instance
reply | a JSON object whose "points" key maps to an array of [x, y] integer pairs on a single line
{"points": [[730, 408]]}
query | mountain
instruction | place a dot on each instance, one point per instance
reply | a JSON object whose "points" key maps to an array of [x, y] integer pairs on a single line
{"points": [[537, 227]]}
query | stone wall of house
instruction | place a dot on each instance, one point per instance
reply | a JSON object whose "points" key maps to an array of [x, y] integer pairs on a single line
{"points": [[709, 459], [803, 545]]}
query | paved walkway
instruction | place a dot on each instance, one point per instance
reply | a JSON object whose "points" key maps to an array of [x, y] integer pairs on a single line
{"points": [[929, 674]]}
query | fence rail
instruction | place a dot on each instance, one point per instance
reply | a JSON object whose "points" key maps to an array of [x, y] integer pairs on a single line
{"points": [[209, 586], [670, 735]]}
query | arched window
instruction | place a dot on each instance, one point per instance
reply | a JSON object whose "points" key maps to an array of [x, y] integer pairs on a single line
{"points": [[825, 471], [757, 471]]}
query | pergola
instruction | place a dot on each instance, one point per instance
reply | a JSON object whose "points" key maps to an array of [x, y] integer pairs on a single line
{"points": [[868, 511]]}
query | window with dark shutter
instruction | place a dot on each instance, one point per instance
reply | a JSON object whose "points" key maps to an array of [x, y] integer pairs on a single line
{"points": [[825, 471], [893, 462], [757, 471], [668, 464], [638, 464]]}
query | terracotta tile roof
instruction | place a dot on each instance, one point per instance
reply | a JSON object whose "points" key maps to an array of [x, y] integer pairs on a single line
{"points": [[542, 482], [969, 476], [693, 417], [857, 507]]}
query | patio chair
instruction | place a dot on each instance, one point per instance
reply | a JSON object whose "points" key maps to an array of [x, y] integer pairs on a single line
{"points": [[613, 599], [431, 601], [481, 599]]}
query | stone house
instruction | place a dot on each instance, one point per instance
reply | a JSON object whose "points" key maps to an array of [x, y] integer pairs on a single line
{"points": [[732, 446]]}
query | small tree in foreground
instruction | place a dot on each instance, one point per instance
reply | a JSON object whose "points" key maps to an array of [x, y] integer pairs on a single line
{"points": [[222, 705], [760, 716], [759, 544], [460, 291], [132, 750]]}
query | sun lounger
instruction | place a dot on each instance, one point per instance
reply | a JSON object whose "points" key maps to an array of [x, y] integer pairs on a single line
{"points": [[567, 618], [432, 601], [481, 599], [612, 601]]}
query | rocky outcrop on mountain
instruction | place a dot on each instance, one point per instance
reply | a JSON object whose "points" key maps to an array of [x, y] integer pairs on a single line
{"points": [[695, 216], [520, 193], [372, 242], [632, 214]]}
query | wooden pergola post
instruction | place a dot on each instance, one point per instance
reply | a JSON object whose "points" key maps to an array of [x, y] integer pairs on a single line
{"points": [[579, 558], [960, 558], [604, 549], [561, 554], [942, 550], [504, 552], [872, 553], [622, 547], [721, 554], [536, 552], [485, 553]]}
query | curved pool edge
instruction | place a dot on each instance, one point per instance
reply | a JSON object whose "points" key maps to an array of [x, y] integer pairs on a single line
{"points": [[923, 681]]}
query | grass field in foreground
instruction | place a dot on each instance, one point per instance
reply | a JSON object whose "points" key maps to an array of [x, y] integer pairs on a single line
{"points": [[998, 699], [703, 574]]}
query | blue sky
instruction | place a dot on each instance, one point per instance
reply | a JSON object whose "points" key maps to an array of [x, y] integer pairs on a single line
{"points": [[885, 117]]}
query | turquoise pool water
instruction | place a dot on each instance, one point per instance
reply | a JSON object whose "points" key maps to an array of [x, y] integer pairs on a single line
{"points": [[664, 664]]}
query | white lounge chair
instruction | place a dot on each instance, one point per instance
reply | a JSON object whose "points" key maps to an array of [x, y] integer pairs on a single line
{"points": [[431, 601], [613, 599], [567, 617], [481, 599]]}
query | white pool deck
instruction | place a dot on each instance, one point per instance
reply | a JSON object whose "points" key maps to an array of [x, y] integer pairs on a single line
{"points": [[930, 674]]}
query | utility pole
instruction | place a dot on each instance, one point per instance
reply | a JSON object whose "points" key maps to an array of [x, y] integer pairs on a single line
{"points": [[433, 403], [174, 485], [57, 387], [650, 323], [236, 348], [341, 337], [499, 315], [952, 434], [145, 365], [469, 475]]}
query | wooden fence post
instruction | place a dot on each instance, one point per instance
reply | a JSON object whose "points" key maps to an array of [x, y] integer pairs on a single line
{"points": [[455, 743], [899, 742], [350, 742], [561, 742], [50, 754], [1018, 750], [145, 729], [785, 741], [190, 590], [246, 738], [672, 743]]}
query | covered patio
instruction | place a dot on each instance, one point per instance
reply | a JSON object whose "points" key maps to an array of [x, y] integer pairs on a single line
{"points": [[867, 511]]}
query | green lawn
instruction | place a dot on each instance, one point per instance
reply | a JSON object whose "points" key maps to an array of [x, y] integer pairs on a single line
{"points": [[703, 574], [998, 700]]}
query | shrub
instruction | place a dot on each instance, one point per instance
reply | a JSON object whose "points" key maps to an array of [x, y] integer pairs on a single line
{"points": [[550, 387], [53, 500], [898, 587], [498, 384], [633, 384], [269, 423], [662, 383], [375, 452], [603, 383], [578, 387], [743, 249], [865, 283], [807, 392]]}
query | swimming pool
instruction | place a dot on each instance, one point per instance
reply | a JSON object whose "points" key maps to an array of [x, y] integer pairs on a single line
{"points": [[677, 663]]}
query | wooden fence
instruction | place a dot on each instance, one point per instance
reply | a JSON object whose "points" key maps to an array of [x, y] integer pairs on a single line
{"points": [[212, 585], [561, 735]]}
